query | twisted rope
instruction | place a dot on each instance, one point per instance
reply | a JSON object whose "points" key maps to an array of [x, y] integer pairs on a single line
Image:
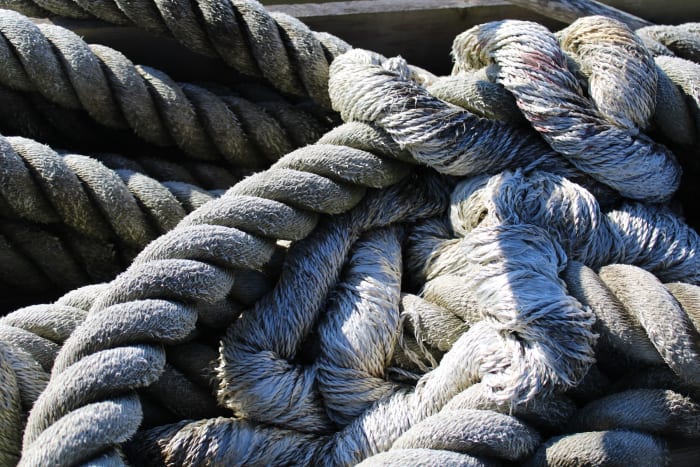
{"points": [[624, 427], [364, 88], [622, 159], [29, 340], [116, 213], [186, 247], [650, 237], [242, 33], [119, 95], [639, 318], [682, 40]]}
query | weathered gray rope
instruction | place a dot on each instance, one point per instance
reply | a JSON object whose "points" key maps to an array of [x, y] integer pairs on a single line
{"points": [[241, 32], [681, 40], [29, 340], [201, 174], [437, 134], [614, 447], [639, 317], [461, 437], [647, 236], [117, 212], [655, 411], [240, 207], [119, 95], [683, 74], [620, 72], [363, 311], [620, 158], [255, 351], [478, 94], [621, 428]]}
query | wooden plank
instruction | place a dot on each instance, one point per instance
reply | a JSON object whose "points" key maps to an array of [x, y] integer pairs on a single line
{"points": [[569, 10]]}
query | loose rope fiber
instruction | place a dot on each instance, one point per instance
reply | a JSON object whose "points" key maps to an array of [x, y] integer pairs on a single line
{"points": [[349, 305], [626, 161], [289, 223]]}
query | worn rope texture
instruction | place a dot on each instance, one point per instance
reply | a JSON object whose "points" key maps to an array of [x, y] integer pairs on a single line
{"points": [[683, 74], [533, 67], [115, 213], [272, 125], [364, 88], [624, 428], [343, 333], [242, 33], [258, 205], [648, 236], [256, 353], [640, 319], [57, 64], [29, 341], [681, 40]]}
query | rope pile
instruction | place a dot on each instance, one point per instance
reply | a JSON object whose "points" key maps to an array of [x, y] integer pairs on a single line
{"points": [[480, 269]]}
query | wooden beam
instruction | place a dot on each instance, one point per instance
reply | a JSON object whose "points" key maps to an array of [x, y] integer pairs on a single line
{"points": [[567, 11]]}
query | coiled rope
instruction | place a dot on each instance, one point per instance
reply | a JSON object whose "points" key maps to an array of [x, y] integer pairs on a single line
{"points": [[113, 213], [568, 121], [57, 64], [519, 337], [242, 33]]}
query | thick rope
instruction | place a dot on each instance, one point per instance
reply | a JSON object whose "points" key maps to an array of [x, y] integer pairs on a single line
{"points": [[364, 89], [201, 174], [682, 40], [350, 370], [192, 274], [208, 283], [647, 236], [242, 33], [620, 72], [639, 318], [115, 213], [256, 345], [614, 447], [29, 341], [120, 95], [622, 159]]}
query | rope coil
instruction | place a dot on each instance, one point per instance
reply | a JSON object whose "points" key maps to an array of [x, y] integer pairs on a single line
{"points": [[535, 301]]}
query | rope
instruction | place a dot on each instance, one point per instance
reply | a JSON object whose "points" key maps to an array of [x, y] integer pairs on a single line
{"points": [[29, 340], [647, 236], [682, 40], [241, 33], [472, 352], [193, 280], [436, 134], [120, 95], [115, 213], [622, 159], [639, 318]]}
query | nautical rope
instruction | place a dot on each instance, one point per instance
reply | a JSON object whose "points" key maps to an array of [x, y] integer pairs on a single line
{"points": [[682, 40], [241, 206], [29, 340], [639, 318], [622, 159], [647, 236], [120, 95], [437, 134], [330, 357], [116, 213], [242, 33]]}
